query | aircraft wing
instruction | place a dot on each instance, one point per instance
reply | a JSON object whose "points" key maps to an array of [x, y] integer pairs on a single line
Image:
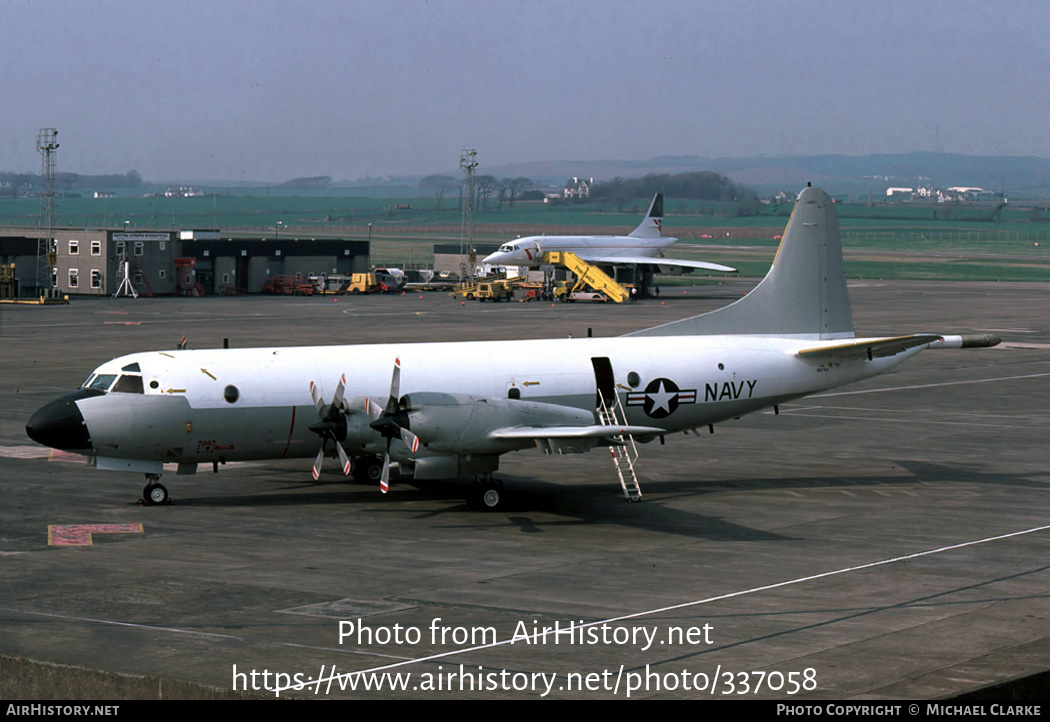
{"points": [[595, 431], [621, 260], [571, 439]]}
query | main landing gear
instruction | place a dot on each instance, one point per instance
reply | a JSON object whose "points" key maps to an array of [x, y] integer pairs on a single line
{"points": [[368, 469], [486, 494], [154, 492]]}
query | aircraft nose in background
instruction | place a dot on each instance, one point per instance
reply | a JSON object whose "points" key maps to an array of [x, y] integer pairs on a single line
{"points": [[60, 425]]}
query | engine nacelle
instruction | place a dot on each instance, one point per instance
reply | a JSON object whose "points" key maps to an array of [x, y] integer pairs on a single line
{"points": [[454, 423], [453, 467]]}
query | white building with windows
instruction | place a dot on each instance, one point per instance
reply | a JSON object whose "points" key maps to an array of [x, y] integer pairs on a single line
{"points": [[579, 187], [89, 261]]}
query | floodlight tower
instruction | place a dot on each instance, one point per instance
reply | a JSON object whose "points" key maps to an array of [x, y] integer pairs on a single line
{"points": [[46, 251], [468, 161]]}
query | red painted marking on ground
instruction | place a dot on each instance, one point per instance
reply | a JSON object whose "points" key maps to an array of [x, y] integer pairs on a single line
{"points": [[24, 452], [79, 535]]}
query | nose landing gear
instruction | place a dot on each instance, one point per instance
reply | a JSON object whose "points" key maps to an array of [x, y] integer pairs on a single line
{"points": [[154, 493]]}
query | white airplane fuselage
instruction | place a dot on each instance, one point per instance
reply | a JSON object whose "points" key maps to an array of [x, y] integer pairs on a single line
{"points": [[529, 251], [183, 415]]}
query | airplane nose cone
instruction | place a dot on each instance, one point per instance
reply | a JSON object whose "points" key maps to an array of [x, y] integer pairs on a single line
{"points": [[59, 423]]}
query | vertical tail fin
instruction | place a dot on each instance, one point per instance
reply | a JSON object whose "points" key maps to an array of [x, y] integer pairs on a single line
{"points": [[804, 294], [652, 225]]}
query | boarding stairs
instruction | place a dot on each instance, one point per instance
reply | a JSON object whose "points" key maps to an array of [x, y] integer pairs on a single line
{"points": [[138, 274], [588, 275], [624, 451]]}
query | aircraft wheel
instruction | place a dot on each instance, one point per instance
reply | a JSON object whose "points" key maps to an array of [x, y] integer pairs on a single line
{"points": [[154, 494], [486, 496], [367, 469]]}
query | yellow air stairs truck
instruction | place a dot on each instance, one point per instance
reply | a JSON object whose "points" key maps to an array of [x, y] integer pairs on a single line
{"points": [[587, 275]]}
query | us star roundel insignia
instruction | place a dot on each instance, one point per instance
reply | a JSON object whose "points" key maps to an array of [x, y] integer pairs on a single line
{"points": [[661, 398]]}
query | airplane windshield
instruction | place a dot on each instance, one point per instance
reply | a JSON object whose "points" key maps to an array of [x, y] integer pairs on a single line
{"points": [[102, 382], [128, 384], [506, 249]]}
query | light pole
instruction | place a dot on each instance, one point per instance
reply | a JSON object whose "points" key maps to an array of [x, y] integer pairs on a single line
{"points": [[276, 229]]}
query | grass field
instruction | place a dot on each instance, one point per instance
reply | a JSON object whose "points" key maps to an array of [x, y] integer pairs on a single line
{"points": [[881, 241]]}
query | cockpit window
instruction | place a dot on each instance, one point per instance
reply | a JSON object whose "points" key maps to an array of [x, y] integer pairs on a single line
{"points": [[506, 248], [87, 384], [128, 384], [102, 382], [133, 368]]}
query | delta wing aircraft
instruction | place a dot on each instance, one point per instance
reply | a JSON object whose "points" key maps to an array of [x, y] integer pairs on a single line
{"points": [[433, 410], [644, 246]]}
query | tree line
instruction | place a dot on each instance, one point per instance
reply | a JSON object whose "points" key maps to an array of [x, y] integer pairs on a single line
{"points": [[18, 184], [486, 189], [699, 185]]}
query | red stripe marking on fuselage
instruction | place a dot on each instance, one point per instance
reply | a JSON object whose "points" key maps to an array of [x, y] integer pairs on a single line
{"points": [[288, 443]]}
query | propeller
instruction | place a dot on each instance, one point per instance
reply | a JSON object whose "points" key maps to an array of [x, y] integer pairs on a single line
{"points": [[391, 422], [331, 424]]}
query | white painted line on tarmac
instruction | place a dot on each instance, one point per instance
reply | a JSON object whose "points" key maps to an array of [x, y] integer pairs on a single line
{"points": [[928, 386], [674, 607], [1019, 344], [905, 420], [122, 624]]}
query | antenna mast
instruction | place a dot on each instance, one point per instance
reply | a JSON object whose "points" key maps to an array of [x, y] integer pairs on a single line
{"points": [[468, 161], [47, 146]]}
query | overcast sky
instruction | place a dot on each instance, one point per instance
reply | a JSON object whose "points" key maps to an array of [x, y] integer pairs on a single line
{"points": [[273, 89]]}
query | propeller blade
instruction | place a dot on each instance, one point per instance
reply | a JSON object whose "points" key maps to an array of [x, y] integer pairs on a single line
{"points": [[337, 398], [384, 480], [343, 459], [410, 439], [395, 386], [315, 394], [317, 463], [373, 409]]}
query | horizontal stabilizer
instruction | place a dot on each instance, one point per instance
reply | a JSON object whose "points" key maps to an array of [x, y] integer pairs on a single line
{"points": [[871, 347]]}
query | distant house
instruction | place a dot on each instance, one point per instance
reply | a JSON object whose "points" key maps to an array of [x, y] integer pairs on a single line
{"points": [[579, 188], [899, 192], [183, 192]]}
